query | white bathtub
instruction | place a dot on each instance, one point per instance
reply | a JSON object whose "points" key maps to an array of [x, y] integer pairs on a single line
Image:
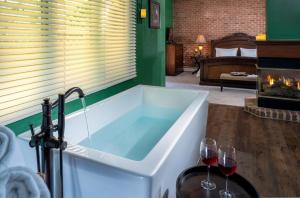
{"points": [[94, 173]]}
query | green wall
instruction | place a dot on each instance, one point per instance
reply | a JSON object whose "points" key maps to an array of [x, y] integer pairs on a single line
{"points": [[283, 19], [151, 49], [169, 13], [150, 65]]}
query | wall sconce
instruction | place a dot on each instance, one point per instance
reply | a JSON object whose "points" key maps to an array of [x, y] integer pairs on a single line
{"points": [[261, 37], [143, 13]]}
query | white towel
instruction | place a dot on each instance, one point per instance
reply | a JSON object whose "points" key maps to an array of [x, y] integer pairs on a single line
{"points": [[21, 182], [10, 153]]}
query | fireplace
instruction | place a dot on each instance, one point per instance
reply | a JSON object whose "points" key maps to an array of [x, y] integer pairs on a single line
{"points": [[283, 84], [278, 69], [278, 88]]}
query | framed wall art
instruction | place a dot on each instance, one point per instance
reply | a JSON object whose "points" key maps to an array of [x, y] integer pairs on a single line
{"points": [[154, 14]]}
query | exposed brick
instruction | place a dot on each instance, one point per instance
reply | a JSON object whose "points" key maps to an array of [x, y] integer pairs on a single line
{"points": [[215, 19], [294, 116], [288, 116], [268, 113], [275, 114], [280, 115]]}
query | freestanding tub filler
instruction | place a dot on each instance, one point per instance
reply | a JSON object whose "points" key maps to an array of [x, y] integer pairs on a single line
{"points": [[134, 144]]}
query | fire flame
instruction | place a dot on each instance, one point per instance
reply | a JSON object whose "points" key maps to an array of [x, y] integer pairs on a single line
{"points": [[283, 81], [271, 80], [287, 82]]}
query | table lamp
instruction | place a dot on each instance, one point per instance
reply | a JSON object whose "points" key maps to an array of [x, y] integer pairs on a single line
{"points": [[200, 41]]}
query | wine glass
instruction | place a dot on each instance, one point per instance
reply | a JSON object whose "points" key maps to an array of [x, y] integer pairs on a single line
{"points": [[209, 156], [228, 165]]}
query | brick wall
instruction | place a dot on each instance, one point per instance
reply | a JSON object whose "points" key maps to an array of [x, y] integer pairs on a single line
{"points": [[215, 19]]}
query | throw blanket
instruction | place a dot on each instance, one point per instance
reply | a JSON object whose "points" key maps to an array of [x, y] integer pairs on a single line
{"points": [[10, 154], [21, 182]]}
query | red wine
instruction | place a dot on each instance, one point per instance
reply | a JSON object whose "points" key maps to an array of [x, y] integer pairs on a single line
{"points": [[229, 168], [210, 157]]}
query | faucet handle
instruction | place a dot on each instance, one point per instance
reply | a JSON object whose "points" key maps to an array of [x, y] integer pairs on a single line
{"points": [[63, 145], [35, 142], [31, 129], [32, 142], [47, 100]]}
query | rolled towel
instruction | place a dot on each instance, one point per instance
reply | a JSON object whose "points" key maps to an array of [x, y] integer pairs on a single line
{"points": [[10, 153], [21, 182]]}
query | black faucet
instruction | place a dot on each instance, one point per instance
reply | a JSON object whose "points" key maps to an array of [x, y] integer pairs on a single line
{"points": [[48, 141]]}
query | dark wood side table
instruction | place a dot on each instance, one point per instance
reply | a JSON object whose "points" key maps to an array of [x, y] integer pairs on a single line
{"points": [[198, 59]]}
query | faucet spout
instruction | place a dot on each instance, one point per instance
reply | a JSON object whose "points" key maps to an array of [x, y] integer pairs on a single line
{"points": [[74, 89], [69, 93]]}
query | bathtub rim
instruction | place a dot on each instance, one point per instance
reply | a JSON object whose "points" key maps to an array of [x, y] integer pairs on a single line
{"points": [[155, 158]]}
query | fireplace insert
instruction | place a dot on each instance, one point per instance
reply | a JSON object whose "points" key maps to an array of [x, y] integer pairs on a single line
{"points": [[278, 84]]}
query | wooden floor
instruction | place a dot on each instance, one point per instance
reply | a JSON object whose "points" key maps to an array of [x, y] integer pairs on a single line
{"points": [[268, 150]]}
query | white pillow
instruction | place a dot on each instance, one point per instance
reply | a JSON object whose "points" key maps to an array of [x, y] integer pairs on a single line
{"points": [[249, 52], [221, 52]]}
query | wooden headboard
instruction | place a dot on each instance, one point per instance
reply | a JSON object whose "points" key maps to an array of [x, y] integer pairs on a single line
{"points": [[235, 40]]}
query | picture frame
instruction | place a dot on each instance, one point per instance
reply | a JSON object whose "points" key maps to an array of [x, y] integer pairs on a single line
{"points": [[154, 14]]}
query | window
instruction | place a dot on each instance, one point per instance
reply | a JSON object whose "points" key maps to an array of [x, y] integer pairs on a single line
{"points": [[49, 46]]}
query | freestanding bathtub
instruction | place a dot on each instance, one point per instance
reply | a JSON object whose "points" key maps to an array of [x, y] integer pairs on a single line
{"points": [[140, 140]]}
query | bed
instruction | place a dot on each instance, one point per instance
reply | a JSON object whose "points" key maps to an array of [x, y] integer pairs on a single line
{"points": [[214, 66]]}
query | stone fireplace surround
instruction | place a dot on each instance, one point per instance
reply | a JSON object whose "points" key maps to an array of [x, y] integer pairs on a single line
{"points": [[269, 113]]}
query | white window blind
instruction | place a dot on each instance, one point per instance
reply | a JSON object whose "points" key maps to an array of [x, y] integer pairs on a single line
{"points": [[49, 46]]}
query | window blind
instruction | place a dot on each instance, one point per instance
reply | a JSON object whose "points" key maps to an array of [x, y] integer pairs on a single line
{"points": [[49, 46]]}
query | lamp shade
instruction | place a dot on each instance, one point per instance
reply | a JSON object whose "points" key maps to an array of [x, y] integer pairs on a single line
{"points": [[200, 39]]}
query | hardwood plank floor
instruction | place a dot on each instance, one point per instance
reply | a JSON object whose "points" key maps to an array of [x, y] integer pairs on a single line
{"points": [[268, 150]]}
